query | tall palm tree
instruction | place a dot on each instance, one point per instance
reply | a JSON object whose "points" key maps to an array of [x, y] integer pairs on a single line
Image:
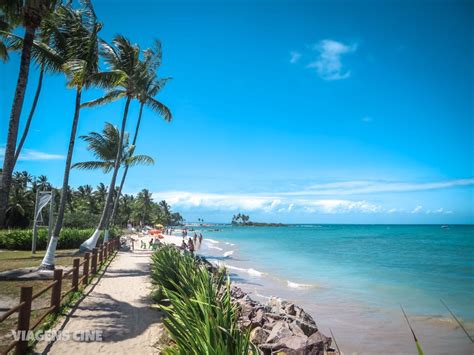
{"points": [[77, 39], [29, 13], [122, 57], [148, 87], [48, 61]]}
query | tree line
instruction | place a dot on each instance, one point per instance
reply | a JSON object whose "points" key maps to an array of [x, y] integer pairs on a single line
{"points": [[84, 204], [63, 39]]}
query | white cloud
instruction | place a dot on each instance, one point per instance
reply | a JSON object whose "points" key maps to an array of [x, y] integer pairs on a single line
{"points": [[368, 187], [294, 57], [30, 154], [265, 203], [417, 209], [328, 65]]}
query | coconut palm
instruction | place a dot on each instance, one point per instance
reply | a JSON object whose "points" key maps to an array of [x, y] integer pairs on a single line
{"points": [[148, 87], [42, 183], [121, 57], [29, 14], [77, 40], [104, 147]]}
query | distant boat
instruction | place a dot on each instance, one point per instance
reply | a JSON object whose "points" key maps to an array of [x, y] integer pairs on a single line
{"points": [[445, 226]]}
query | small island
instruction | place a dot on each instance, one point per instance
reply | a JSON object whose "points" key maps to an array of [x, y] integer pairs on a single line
{"points": [[244, 220]]}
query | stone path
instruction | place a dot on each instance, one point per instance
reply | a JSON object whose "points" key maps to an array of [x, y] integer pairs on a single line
{"points": [[119, 307]]}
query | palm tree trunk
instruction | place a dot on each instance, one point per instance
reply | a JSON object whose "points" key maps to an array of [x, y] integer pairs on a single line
{"points": [[30, 116], [124, 176], [9, 157], [48, 260], [90, 243]]}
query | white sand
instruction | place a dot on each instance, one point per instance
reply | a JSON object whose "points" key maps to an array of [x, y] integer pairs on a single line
{"points": [[119, 306]]}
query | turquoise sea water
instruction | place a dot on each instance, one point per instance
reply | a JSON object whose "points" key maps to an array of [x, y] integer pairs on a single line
{"points": [[374, 266]]}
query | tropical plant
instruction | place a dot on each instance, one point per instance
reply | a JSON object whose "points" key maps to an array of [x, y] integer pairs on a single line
{"points": [[201, 317], [76, 38], [148, 86], [30, 14], [123, 58], [104, 148]]}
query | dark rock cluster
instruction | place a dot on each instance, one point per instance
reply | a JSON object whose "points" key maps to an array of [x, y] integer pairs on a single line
{"points": [[280, 327]]}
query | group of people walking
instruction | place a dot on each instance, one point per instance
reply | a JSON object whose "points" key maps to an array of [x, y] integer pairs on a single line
{"points": [[192, 244]]}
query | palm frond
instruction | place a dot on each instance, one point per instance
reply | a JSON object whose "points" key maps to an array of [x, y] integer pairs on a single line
{"points": [[139, 160], [94, 165], [75, 72], [107, 79], [111, 96], [157, 106]]}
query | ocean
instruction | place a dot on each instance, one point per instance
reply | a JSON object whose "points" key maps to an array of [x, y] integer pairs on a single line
{"points": [[353, 279]]}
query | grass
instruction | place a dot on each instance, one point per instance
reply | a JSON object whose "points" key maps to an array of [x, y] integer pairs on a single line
{"points": [[15, 259]]}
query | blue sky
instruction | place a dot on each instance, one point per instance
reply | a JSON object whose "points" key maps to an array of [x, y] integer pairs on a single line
{"points": [[291, 111]]}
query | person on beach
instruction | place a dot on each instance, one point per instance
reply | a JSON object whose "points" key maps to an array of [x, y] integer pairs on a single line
{"points": [[151, 243], [200, 238], [183, 245], [195, 238], [191, 246]]}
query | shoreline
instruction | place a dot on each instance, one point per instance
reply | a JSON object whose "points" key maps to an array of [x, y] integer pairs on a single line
{"points": [[358, 327]]}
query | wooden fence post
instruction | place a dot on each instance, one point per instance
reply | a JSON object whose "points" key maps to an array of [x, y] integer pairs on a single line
{"points": [[75, 274], [56, 290], [101, 255], [94, 262], [24, 320], [85, 271], [106, 252]]}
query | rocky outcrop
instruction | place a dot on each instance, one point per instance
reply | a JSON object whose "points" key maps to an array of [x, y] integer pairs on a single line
{"points": [[280, 327]]}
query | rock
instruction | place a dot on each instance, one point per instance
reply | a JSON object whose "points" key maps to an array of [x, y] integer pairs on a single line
{"points": [[307, 328], [319, 341], [280, 330], [295, 328], [237, 293], [257, 320], [258, 336], [246, 309], [294, 342], [290, 309]]}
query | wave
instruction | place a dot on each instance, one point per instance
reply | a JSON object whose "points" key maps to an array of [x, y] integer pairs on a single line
{"points": [[214, 247], [297, 285], [249, 271], [228, 253], [212, 241]]}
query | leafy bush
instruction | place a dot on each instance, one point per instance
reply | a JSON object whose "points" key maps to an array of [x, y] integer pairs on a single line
{"points": [[81, 219], [70, 238], [201, 317]]}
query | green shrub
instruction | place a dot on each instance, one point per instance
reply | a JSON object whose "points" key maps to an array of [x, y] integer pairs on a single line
{"points": [[201, 317], [81, 219], [69, 238]]}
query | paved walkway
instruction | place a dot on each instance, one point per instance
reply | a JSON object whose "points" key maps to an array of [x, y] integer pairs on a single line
{"points": [[119, 306]]}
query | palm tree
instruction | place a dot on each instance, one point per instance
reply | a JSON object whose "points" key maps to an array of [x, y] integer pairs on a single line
{"points": [[122, 57], [148, 87], [48, 61], [77, 39], [143, 207], [101, 193], [30, 14], [42, 183], [104, 147]]}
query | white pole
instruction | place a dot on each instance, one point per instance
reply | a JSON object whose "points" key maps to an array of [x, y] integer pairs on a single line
{"points": [[35, 227], [51, 217]]}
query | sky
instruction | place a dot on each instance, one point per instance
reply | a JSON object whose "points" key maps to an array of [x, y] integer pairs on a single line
{"points": [[289, 111]]}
